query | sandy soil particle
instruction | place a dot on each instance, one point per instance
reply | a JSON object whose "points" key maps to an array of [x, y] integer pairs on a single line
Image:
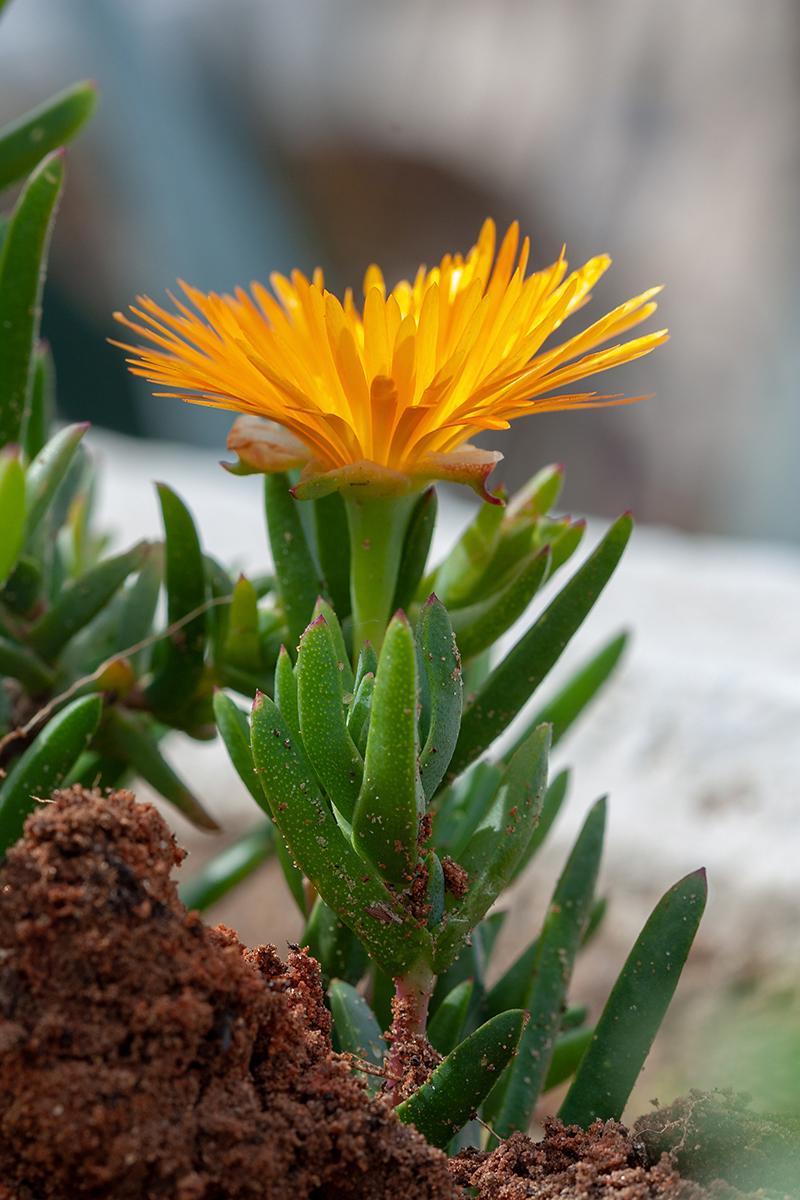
{"points": [[145, 1055]]}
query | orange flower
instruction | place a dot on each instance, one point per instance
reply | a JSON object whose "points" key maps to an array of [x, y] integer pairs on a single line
{"points": [[386, 399]]}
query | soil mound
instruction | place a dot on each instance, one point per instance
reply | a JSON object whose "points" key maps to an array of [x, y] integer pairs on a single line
{"points": [[601, 1163], [145, 1055]]}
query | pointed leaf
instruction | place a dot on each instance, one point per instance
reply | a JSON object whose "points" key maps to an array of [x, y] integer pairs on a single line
{"points": [[558, 944], [568, 1051], [391, 803], [367, 664], [298, 581], [25, 142], [467, 561], [320, 703], [463, 805], [570, 702], [360, 709], [459, 1085], [45, 763], [440, 668], [228, 869], [323, 609], [81, 600], [42, 408], [345, 882], [333, 547], [539, 494], [480, 625], [12, 511], [553, 799], [358, 1032], [513, 987], [23, 265], [525, 666], [46, 473], [636, 1006], [335, 947], [242, 643], [444, 1030], [180, 663], [416, 548]]}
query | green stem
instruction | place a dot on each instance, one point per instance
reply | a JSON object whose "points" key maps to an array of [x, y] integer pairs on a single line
{"points": [[410, 1012], [377, 532]]}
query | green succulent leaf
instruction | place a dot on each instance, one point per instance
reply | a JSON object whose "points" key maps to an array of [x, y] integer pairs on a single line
{"points": [[95, 770], [558, 945], [358, 717], [45, 763], [22, 589], [333, 548], [565, 542], [498, 842], [43, 393], [568, 1051], [242, 643], [416, 548], [367, 664], [322, 720], [463, 805], [22, 271], [22, 664], [445, 1028], [553, 800], [234, 728], [46, 473], [323, 609], [636, 1006], [125, 735], [440, 680], [480, 625], [525, 666], [539, 494], [335, 947], [513, 987], [454, 581], [12, 511], [461, 1082], [25, 142], [345, 882], [181, 657], [584, 685], [230, 868], [81, 600], [139, 601], [297, 577], [358, 1032], [436, 890], [391, 803]]}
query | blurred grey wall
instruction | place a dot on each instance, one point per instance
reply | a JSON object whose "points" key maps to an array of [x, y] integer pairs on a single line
{"points": [[661, 131]]}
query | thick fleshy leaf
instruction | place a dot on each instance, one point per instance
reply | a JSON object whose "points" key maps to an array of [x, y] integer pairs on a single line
{"points": [[455, 580], [242, 643], [636, 1007], [345, 882], [43, 401], [416, 548], [570, 702], [126, 735], [179, 666], [25, 142], [444, 1030], [297, 577], [45, 763], [333, 548], [358, 1032], [12, 511], [553, 800], [440, 687], [323, 609], [558, 945], [327, 743], [525, 666], [358, 716], [81, 600], [498, 842], [23, 266], [462, 1081], [234, 728], [513, 987], [367, 663], [539, 494], [463, 805], [391, 802], [568, 1051], [46, 473], [228, 869], [22, 589], [478, 626]]}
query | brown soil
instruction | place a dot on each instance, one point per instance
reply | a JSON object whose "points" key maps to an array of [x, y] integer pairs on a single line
{"points": [[714, 1135], [602, 1163], [145, 1055]]}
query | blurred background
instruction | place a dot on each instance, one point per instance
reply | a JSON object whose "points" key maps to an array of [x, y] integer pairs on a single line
{"points": [[236, 137]]}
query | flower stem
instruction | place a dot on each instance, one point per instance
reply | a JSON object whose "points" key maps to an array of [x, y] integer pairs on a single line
{"points": [[377, 531]]}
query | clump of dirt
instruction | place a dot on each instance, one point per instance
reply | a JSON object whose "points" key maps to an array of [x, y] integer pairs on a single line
{"points": [[713, 1135], [601, 1163], [144, 1055]]}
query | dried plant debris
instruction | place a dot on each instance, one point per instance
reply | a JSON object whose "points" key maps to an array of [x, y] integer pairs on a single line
{"points": [[713, 1135], [146, 1055]]}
